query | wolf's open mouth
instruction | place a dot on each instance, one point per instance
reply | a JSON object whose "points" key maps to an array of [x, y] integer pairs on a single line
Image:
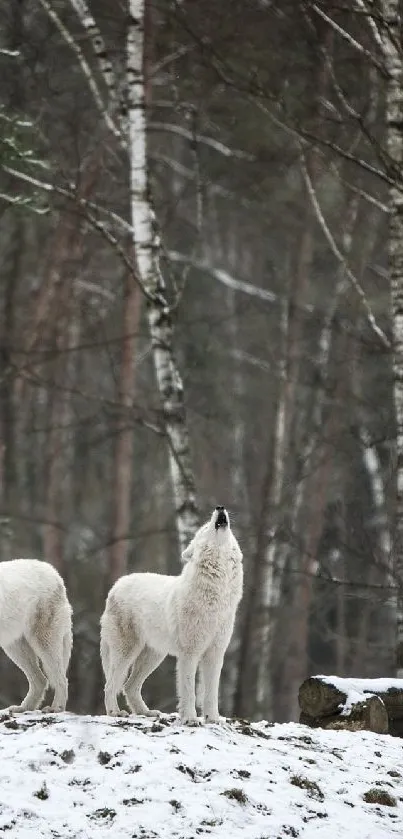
{"points": [[221, 520]]}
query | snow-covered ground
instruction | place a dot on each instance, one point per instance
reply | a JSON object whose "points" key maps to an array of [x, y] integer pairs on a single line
{"points": [[68, 776]]}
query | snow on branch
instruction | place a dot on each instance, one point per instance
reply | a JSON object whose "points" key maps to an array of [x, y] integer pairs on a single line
{"points": [[223, 149], [88, 208], [224, 277], [213, 188], [23, 201]]}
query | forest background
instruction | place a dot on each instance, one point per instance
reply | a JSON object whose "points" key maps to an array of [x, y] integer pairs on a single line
{"points": [[257, 364]]}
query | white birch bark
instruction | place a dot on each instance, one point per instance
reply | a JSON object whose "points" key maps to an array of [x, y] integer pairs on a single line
{"points": [[82, 61], [391, 39], [146, 244], [98, 45], [373, 468], [133, 135]]}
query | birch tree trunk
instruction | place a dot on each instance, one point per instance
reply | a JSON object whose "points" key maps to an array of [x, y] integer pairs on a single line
{"points": [[373, 468], [272, 575], [13, 227], [10, 278], [255, 689], [58, 287], [391, 38], [61, 437], [159, 314], [145, 236], [123, 461], [270, 564], [309, 501], [238, 486], [381, 569], [254, 684]]}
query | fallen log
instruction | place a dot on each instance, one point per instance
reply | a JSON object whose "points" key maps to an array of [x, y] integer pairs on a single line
{"points": [[368, 715], [323, 696]]}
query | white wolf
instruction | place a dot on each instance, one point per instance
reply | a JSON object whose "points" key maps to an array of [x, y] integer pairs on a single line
{"points": [[35, 628], [149, 616]]}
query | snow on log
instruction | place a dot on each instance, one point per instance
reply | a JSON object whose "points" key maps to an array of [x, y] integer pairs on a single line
{"points": [[368, 715], [323, 696]]}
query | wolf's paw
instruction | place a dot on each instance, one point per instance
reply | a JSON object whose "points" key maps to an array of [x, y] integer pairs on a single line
{"points": [[192, 722], [53, 709], [118, 713], [17, 709], [215, 719], [140, 711]]}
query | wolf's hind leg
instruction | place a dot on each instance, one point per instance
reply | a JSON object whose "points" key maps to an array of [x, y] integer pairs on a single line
{"points": [[146, 662], [117, 654], [22, 654]]}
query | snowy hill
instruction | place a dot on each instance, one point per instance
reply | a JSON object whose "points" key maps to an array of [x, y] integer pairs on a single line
{"points": [[68, 776]]}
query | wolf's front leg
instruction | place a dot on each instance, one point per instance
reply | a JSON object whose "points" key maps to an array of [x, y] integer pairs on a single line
{"points": [[186, 680], [211, 666]]}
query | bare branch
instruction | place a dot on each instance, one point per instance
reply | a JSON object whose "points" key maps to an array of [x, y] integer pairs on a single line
{"points": [[349, 38], [86, 69], [173, 56], [347, 155], [361, 192], [71, 195], [371, 23], [339, 256], [89, 208]]}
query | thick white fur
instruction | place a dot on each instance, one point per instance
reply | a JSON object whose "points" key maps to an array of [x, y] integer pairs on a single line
{"points": [[35, 629], [149, 616]]}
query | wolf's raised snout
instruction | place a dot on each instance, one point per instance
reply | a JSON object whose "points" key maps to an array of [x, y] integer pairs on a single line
{"points": [[222, 518]]}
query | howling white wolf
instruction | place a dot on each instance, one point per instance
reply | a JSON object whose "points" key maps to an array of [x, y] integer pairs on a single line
{"points": [[150, 616], [35, 629]]}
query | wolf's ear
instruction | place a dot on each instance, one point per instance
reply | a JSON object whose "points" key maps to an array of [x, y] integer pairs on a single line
{"points": [[187, 553]]}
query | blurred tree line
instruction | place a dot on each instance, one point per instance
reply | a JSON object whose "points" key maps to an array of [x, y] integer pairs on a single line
{"points": [[270, 175]]}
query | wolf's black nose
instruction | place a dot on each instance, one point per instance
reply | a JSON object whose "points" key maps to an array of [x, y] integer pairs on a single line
{"points": [[219, 508]]}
